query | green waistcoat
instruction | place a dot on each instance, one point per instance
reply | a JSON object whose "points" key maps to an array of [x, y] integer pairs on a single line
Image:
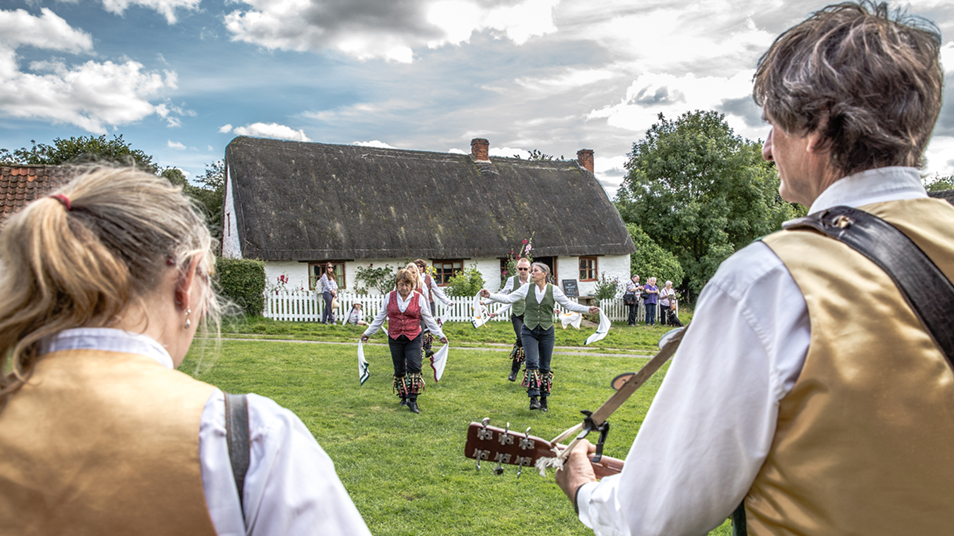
{"points": [[538, 314], [518, 307]]}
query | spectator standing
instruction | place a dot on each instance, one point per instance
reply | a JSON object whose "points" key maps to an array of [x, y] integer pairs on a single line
{"points": [[631, 298], [651, 292], [329, 291], [667, 298]]}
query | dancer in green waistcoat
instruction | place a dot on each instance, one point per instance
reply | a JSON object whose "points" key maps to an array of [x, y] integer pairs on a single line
{"points": [[537, 331]]}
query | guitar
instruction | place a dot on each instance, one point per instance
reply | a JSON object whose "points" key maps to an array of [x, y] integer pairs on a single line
{"points": [[489, 443]]}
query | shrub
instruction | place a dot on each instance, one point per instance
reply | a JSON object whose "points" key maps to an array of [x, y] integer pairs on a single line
{"points": [[243, 282], [467, 282], [381, 278], [606, 288]]}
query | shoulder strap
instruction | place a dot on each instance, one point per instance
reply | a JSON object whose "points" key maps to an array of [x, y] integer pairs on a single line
{"points": [[237, 436], [929, 293]]}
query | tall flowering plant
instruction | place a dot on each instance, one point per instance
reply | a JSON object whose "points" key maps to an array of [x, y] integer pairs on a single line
{"points": [[523, 252]]}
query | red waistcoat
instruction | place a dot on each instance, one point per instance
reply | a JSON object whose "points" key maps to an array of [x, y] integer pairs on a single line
{"points": [[407, 323]]}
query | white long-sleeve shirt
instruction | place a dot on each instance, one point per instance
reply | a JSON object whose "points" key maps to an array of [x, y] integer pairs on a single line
{"points": [[402, 305], [291, 486], [711, 425], [539, 294], [436, 291], [508, 288]]}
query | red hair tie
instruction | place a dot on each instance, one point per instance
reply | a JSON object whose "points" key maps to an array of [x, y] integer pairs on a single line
{"points": [[63, 199]]}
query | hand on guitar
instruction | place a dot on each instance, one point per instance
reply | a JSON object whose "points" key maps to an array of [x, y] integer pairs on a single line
{"points": [[577, 470]]}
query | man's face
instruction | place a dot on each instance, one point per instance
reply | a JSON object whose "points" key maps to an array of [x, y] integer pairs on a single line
{"points": [[802, 168]]}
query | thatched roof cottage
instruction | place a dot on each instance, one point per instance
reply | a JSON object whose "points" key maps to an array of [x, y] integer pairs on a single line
{"points": [[300, 205]]}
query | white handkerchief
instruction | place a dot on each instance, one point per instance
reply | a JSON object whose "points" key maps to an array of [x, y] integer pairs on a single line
{"points": [[601, 331], [363, 373], [438, 362], [479, 312], [571, 319]]}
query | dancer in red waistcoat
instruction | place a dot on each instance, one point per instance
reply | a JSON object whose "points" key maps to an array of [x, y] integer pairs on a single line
{"points": [[404, 310]]}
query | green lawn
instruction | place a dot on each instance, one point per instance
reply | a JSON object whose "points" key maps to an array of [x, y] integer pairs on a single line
{"points": [[407, 473]]}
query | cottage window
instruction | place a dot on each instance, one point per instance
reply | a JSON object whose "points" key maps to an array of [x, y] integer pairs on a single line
{"points": [[316, 269], [444, 270], [588, 268]]}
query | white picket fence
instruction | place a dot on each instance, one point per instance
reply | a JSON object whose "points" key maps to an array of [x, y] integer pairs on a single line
{"points": [[307, 306]]}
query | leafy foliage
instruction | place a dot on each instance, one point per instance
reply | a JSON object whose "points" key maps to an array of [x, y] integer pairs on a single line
{"points": [[380, 278], [650, 260], [700, 192], [467, 282], [81, 150], [607, 288], [243, 282], [939, 184]]}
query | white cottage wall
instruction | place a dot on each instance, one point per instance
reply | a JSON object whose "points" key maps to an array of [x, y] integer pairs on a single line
{"points": [[231, 248], [489, 268]]}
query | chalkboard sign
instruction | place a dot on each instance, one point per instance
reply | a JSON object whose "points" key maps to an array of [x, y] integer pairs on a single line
{"points": [[570, 288]]}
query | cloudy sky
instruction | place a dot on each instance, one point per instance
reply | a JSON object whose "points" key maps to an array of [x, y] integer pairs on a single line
{"points": [[180, 78]]}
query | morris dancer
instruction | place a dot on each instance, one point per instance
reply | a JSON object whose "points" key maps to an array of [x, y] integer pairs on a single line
{"points": [[405, 309], [516, 314], [537, 331], [433, 289]]}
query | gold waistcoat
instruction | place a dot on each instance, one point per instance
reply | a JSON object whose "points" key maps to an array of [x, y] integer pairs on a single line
{"points": [[100, 443], [865, 440]]}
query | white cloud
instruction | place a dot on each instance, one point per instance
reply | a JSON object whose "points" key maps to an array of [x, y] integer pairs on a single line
{"points": [[175, 145], [372, 143], [91, 95], [940, 155], [48, 32], [368, 29], [209, 148], [947, 57], [225, 129], [272, 130], [167, 8], [673, 95], [509, 152]]}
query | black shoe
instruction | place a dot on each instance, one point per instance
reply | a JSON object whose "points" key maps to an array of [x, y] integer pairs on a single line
{"points": [[513, 376], [403, 401], [412, 405], [543, 404], [534, 403]]}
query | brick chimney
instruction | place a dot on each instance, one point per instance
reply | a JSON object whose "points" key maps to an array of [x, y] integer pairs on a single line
{"points": [[480, 149], [585, 158]]}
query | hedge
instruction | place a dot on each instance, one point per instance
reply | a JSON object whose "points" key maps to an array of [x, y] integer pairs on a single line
{"points": [[243, 282]]}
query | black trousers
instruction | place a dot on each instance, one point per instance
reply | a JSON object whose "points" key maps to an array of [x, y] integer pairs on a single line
{"points": [[517, 322], [406, 354]]}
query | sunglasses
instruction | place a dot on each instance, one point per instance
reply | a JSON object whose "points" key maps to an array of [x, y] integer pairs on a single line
{"points": [[523, 269]]}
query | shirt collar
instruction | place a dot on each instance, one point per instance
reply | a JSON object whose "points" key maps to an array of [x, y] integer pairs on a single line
{"points": [[107, 339], [872, 186]]}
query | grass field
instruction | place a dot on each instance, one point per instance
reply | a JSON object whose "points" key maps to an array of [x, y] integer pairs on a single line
{"points": [[407, 473]]}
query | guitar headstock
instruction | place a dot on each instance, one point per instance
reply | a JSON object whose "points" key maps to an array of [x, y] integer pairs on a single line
{"points": [[510, 447], [503, 446]]}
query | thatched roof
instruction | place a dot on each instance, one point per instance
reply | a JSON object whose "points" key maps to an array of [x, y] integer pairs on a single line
{"points": [[19, 185], [311, 201], [947, 195]]}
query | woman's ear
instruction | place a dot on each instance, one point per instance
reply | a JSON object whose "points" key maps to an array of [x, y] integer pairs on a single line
{"points": [[184, 284]]}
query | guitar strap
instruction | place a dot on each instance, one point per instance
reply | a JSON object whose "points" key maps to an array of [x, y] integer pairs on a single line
{"points": [[928, 292], [237, 437]]}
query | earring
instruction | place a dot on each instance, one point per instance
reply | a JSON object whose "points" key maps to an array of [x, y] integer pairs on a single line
{"points": [[188, 322]]}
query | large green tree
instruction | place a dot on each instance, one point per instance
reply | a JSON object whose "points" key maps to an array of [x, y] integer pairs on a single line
{"points": [[81, 150], [700, 192], [651, 260]]}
